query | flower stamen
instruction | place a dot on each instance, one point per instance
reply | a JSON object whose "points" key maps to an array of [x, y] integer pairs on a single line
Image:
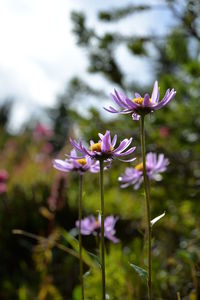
{"points": [[81, 161], [96, 147], [139, 167], [139, 101]]}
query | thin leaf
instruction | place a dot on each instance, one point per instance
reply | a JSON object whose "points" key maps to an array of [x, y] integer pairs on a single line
{"points": [[86, 274], [43, 239], [73, 232], [96, 258], [157, 219], [75, 245], [141, 272]]}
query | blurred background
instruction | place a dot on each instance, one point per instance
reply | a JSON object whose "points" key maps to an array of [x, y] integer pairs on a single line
{"points": [[59, 62]]}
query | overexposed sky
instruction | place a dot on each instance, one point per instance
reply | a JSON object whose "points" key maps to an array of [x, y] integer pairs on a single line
{"points": [[38, 54]]}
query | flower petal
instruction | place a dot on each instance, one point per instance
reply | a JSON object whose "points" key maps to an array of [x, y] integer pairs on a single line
{"points": [[106, 142], [127, 160], [137, 95], [62, 165], [114, 140], [131, 150], [123, 145], [135, 117], [146, 101], [154, 92], [164, 101], [111, 110], [121, 98]]}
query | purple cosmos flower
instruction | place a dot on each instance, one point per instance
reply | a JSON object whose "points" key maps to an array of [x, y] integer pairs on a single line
{"points": [[154, 166], [90, 225], [140, 105], [105, 148], [76, 163]]}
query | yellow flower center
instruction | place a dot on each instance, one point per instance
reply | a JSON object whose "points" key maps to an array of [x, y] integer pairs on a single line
{"points": [[139, 167], [139, 100], [82, 161], [97, 147]]}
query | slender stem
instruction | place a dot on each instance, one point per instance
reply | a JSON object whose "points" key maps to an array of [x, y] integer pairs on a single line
{"points": [[102, 232], [147, 197], [98, 243], [79, 234]]}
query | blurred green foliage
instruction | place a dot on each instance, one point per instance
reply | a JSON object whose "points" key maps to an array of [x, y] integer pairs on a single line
{"points": [[43, 201]]}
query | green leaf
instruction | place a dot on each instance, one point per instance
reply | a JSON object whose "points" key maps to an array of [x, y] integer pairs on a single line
{"points": [[73, 232], [96, 258], [157, 219], [75, 245], [77, 293], [86, 274], [141, 272]]}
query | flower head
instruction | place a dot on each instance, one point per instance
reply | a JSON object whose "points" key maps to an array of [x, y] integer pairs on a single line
{"points": [[76, 163], [105, 147], [109, 228], [90, 225], [154, 166], [140, 105]]}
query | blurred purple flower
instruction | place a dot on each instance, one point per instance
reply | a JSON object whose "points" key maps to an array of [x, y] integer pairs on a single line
{"points": [[3, 178], [3, 175], [3, 188], [154, 166], [76, 163], [42, 131], [140, 105], [47, 148], [109, 228], [90, 225], [164, 131], [104, 149]]}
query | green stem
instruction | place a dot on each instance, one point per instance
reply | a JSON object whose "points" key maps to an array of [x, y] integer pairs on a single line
{"points": [[102, 232], [79, 234], [147, 197]]}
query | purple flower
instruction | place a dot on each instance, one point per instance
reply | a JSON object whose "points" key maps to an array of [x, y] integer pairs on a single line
{"points": [[76, 163], [109, 228], [90, 225], [3, 175], [154, 166], [3, 178], [42, 131], [140, 105], [105, 148]]}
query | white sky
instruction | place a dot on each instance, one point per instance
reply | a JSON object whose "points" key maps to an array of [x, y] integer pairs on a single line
{"points": [[38, 54]]}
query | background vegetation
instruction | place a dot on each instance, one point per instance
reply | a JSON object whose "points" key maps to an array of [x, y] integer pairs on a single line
{"points": [[43, 201]]}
